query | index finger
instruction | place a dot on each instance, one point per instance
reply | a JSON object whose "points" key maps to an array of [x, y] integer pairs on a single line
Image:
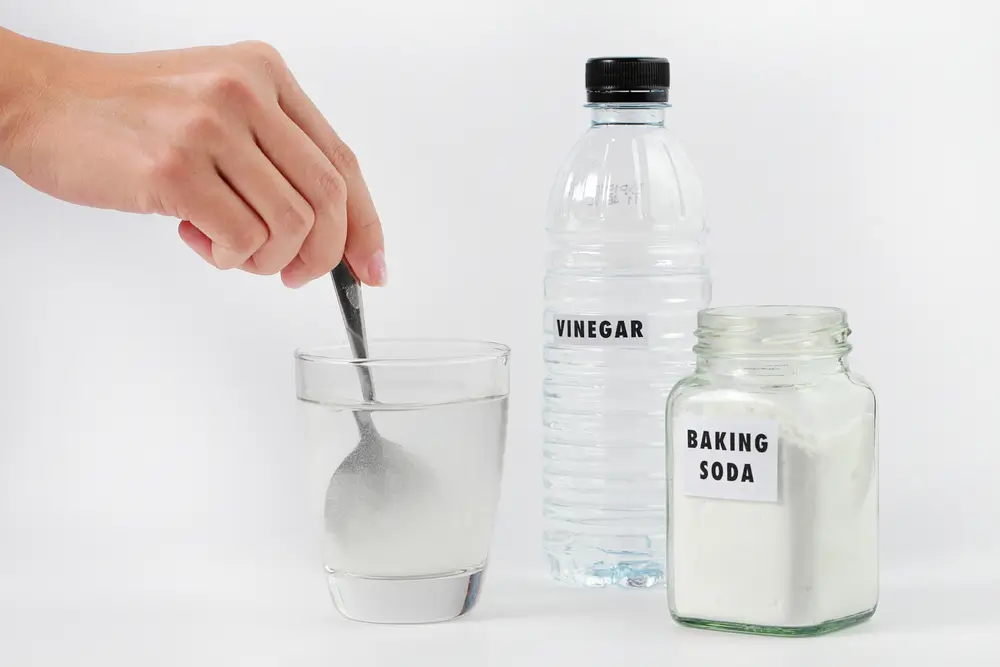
{"points": [[364, 249]]}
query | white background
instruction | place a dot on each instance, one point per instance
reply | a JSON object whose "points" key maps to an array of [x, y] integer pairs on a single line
{"points": [[149, 459]]}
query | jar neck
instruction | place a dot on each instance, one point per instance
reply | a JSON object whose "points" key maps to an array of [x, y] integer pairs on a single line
{"points": [[784, 369], [782, 344], [647, 113]]}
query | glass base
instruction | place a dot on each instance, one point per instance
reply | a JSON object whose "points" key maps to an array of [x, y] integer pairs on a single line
{"points": [[631, 571], [778, 631], [405, 600]]}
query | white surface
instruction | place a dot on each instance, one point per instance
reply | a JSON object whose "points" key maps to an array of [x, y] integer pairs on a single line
{"points": [[923, 620], [149, 462]]}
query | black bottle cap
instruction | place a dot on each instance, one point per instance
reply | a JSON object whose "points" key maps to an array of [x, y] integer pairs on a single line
{"points": [[611, 80]]}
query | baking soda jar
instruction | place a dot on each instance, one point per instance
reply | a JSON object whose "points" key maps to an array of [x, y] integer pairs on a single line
{"points": [[772, 476]]}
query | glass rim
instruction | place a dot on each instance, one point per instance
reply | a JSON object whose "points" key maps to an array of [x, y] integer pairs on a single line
{"points": [[464, 351]]}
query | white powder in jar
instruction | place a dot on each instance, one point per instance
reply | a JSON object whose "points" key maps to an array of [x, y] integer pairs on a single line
{"points": [[809, 557]]}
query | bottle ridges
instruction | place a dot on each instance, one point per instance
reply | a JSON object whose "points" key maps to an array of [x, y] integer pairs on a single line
{"points": [[626, 276]]}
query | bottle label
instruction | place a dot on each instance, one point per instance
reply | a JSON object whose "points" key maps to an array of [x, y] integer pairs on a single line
{"points": [[600, 330], [731, 459]]}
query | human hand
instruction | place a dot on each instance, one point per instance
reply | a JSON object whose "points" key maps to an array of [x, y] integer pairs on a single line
{"points": [[222, 138]]}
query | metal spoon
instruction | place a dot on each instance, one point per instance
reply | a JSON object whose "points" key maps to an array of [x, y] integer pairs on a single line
{"points": [[352, 310], [376, 470]]}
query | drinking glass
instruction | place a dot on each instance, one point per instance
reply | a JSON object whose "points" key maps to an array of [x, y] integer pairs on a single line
{"points": [[407, 525]]}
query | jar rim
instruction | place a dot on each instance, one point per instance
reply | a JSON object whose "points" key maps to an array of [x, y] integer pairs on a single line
{"points": [[794, 316], [773, 331]]}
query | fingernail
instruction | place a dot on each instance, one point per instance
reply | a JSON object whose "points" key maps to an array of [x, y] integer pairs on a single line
{"points": [[377, 270], [294, 282], [226, 258]]}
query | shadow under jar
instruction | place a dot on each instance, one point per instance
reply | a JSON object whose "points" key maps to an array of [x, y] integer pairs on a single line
{"points": [[772, 476], [409, 513]]}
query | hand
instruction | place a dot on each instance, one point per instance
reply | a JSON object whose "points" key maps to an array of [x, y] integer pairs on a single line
{"points": [[222, 138]]}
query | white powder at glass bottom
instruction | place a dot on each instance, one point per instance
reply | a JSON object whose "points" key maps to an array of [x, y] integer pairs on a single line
{"points": [[811, 557]]}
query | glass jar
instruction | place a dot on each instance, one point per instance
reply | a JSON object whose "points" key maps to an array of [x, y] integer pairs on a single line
{"points": [[772, 476]]}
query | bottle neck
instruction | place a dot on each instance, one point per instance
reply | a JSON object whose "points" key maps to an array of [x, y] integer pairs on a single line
{"points": [[647, 113]]}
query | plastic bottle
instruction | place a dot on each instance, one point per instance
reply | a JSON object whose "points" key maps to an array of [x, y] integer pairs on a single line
{"points": [[626, 276]]}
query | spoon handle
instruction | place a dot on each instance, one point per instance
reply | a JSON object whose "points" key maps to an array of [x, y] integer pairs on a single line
{"points": [[351, 307]]}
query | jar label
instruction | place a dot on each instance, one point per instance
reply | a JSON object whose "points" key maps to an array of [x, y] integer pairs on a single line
{"points": [[731, 459], [602, 330]]}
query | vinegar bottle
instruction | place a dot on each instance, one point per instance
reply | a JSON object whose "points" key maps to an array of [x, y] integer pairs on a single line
{"points": [[626, 276]]}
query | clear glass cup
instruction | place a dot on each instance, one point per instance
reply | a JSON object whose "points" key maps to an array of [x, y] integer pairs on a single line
{"points": [[409, 515]]}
